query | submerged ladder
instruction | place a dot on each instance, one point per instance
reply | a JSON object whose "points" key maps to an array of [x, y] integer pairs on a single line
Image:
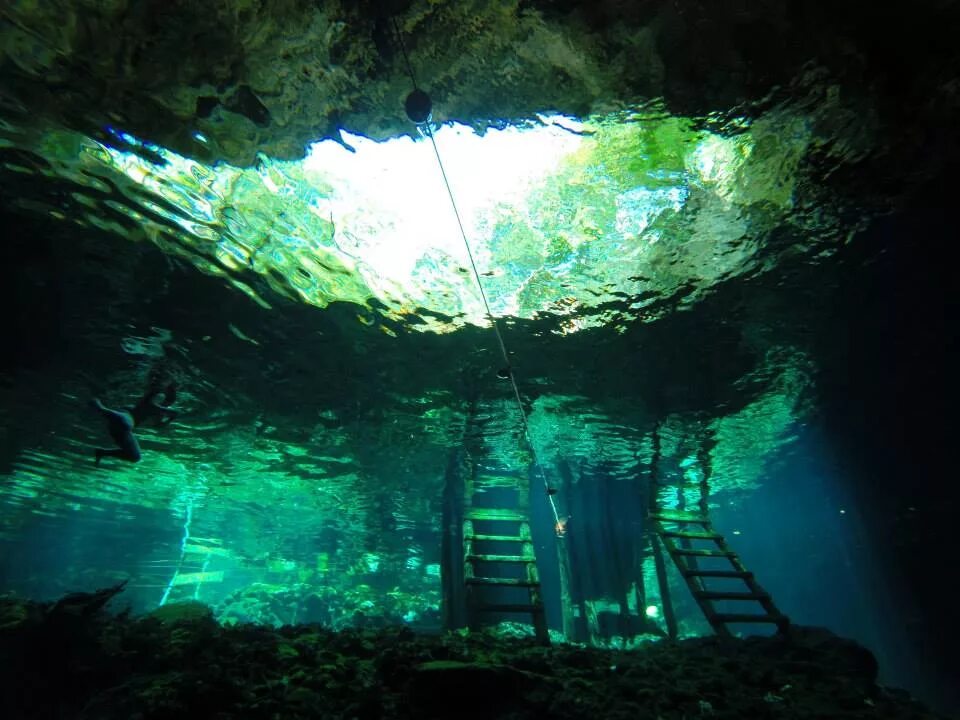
{"points": [[500, 567], [680, 532]]}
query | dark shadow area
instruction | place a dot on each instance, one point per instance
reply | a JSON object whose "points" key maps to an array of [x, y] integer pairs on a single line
{"points": [[887, 391]]}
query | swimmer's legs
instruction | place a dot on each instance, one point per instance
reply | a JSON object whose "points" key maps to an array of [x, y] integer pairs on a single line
{"points": [[129, 452], [120, 427]]}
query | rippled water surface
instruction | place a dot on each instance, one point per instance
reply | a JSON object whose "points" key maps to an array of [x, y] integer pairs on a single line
{"points": [[332, 356]]}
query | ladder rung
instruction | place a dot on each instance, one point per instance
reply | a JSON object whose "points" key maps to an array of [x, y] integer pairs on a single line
{"points": [[497, 538], [681, 518], [495, 514], [746, 618], [703, 553], [502, 558], [532, 609], [694, 572], [512, 582], [690, 535], [719, 595]]}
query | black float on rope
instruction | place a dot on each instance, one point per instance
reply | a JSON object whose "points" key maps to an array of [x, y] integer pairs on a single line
{"points": [[418, 106]]}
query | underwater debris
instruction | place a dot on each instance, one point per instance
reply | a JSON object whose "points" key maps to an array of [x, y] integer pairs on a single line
{"points": [[86, 604]]}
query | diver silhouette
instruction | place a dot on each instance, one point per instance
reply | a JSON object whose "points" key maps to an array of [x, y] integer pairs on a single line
{"points": [[121, 423]]}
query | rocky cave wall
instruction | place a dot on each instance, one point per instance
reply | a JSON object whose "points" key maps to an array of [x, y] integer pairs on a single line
{"points": [[273, 76]]}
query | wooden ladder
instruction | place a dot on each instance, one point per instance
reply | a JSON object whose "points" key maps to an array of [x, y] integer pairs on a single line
{"points": [[496, 541], [679, 532]]}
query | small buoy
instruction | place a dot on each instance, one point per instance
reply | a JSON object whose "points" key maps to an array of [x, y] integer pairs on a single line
{"points": [[503, 373], [418, 106]]}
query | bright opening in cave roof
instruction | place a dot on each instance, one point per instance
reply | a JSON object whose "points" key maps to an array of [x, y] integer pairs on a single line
{"points": [[562, 216]]}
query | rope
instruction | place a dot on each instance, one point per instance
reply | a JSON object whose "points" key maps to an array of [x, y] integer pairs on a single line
{"points": [[496, 330], [406, 59], [483, 295]]}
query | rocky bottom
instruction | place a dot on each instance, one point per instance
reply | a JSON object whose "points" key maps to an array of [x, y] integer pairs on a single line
{"points": [[73, 659]]}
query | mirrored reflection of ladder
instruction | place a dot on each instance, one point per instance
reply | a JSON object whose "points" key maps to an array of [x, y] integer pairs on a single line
{"points": [[683, 534], [500, 567]]}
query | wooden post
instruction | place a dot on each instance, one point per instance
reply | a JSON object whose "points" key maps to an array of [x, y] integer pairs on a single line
{"points": [[570, 544], [566, 602], [652, 526], [668, 615], [706, 472], [451, 545]]}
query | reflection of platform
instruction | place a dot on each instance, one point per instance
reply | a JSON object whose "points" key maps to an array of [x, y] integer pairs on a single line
{"points": [[198, 577]]}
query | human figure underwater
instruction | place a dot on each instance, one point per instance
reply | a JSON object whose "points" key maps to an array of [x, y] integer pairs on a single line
{"points": [[121, 423]]}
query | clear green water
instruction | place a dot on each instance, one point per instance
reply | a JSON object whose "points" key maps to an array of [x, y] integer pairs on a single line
{"points": [[327, 367]]}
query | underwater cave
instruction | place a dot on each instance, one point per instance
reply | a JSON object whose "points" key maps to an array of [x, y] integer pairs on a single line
{"points": [[510, 359]]}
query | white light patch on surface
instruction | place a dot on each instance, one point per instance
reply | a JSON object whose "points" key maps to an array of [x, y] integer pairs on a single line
{"points": [[396, 191], [561, 217]]}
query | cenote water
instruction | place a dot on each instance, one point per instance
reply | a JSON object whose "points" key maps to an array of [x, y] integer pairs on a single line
{"points": [[630, 386]]}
